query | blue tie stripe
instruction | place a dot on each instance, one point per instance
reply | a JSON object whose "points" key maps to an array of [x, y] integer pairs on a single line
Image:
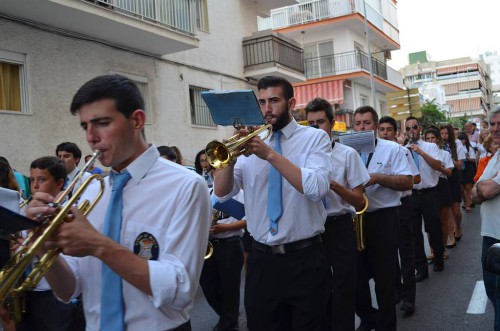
{"points": [[415, 158], [274, 190], [112, 306]]}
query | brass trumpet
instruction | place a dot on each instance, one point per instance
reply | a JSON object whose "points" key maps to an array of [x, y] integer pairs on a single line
{"points": [[26, 253], [359, 228], [221, 154]]}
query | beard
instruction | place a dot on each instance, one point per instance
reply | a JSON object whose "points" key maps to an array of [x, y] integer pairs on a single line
{"points": [[282, 120]]}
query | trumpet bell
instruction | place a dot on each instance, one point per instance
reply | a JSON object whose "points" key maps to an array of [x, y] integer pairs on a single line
{"points": [[218, 154]]}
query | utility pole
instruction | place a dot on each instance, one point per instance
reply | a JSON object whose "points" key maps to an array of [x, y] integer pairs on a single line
{"points": [[370, 61]]}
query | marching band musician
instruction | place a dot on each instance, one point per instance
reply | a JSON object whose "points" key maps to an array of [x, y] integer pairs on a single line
{"points": [[390, 174], [43, 311], [425, 200], [285, 179], [339, 240], [406, 289], [136, 258], [71, 154], [221, 274]]}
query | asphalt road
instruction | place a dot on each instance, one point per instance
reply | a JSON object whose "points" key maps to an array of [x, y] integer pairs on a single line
{"points": [[451, 300]]}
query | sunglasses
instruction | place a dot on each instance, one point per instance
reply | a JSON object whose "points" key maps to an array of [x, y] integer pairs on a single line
{"points": [[414, 127]]}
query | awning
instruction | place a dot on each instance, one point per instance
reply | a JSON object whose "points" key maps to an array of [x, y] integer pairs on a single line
{"points": [[332, 91]]}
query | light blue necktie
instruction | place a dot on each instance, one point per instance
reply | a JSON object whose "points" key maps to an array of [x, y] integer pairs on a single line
{"points": [[274, 198], [363, 158], [112, 315], [415, 158]]}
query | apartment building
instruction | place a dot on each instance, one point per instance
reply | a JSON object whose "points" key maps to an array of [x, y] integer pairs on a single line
{"points": [[492, 59], [173, 50], [335, 50], [466, 82]]}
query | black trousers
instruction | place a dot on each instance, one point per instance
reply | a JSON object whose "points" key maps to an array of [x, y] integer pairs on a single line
{"points": [[339, 241], [287, 291], [406, 289], [426, 205], [220, 280], [45, 313], [378, 261]]}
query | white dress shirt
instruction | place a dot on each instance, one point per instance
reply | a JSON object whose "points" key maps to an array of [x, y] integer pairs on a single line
{"points": [[446, 161], [490, 216], [72, 175], [171, 206], [233, 233], [388, 159], [428, 176], [350, 172], [461, 150], [303, 213]]}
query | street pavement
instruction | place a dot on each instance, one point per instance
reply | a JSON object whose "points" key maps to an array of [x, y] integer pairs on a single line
{"points": [[450, 300]]}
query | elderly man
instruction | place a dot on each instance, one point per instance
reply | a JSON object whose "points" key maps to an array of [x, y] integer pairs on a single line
{"points": [[487, 192]]}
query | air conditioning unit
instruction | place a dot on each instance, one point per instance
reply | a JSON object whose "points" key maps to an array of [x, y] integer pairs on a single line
{"points": [[387, 54]]}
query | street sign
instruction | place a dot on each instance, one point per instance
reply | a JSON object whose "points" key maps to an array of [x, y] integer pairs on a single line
{"points": [[402, 104]]}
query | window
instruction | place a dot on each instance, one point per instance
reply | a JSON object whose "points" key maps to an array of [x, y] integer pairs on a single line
{"points": [[362, 100], [200, 115], [319, 59], [201, 15], [13, 91]]}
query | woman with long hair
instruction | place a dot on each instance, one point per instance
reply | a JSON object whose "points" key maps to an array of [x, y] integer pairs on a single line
{"points": [[468, 172], [481, 151], [433, 136], [455, 226], [491, 147], [203, 167]]}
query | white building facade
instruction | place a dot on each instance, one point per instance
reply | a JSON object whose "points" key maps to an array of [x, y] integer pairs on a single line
{"points": [[173, 49]]}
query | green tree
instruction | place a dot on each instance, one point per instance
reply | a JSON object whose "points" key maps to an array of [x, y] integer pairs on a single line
{"points": [[459, 122], [431, 114]]}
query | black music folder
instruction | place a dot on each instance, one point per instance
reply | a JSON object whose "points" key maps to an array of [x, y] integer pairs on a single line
{"points": [[233, 107], [12, 222]]}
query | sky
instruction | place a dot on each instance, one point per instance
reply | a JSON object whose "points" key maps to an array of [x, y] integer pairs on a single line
{"points": [[446, 29]]}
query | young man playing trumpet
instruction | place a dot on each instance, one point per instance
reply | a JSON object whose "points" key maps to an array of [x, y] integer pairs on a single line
{"points": [[136, 258], [285, 179]]}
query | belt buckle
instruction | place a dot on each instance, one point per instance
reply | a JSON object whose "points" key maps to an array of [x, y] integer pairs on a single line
{"points": [[278, 249]]}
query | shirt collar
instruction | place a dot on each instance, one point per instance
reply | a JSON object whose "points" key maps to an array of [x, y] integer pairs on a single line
{"points": [[73, 174], [138, 168], [289, 129]]}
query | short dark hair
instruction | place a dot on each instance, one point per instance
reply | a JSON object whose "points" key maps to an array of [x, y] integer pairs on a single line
{"points": [[169, 152], [275, 81], [70, 148], [409, 118], [390, 120], [367, 109], [53, 165], [320, 104], [119, 88]]}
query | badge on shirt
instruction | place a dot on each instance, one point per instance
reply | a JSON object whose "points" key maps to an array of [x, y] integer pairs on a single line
{"points": [[146, 246]]}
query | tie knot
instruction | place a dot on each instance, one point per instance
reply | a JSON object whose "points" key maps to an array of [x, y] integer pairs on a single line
{"points": [[120, 180], [277, 135]]}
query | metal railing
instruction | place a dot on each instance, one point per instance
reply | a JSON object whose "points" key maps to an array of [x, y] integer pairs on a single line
{"points": [[271, 49], [317, 10], [179, 15], [343, 63]]}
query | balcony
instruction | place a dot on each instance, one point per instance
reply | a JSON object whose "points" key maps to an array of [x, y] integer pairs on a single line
{"points": [[318, 10], [343, 63], [157, 27], [269, 54]]}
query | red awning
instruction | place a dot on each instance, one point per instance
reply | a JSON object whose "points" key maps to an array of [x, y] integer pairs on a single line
{"points": [[332, 91]]}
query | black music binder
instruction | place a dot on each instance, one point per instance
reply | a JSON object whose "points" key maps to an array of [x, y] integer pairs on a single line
{"points": [[12, 222]]}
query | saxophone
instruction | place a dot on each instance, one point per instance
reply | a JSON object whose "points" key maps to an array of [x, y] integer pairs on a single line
{"points": [[210, 247]]}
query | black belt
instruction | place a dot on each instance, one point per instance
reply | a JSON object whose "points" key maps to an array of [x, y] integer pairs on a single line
{"points": [[224, 240], [340, 217], [424, 190], [287, 248]]}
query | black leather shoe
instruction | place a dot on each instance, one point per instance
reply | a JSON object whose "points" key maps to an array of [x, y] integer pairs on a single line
{"points": [[408, 307], [438, 266], [364, 327], [420, 276]]}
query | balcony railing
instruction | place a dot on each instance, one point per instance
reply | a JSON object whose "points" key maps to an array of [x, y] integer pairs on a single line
{"points": [[271, 49], [179, 15], [317, 10], [343, 63]]}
